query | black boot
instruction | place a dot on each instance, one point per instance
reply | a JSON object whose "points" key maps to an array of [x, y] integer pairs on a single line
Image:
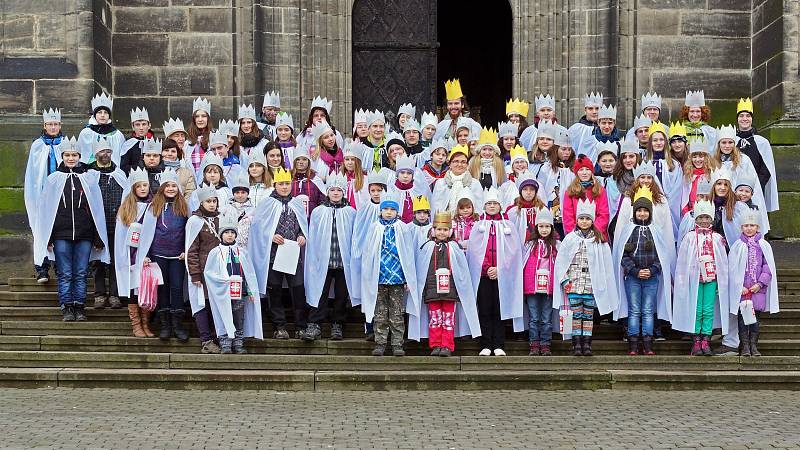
{"points": [[577, 346], [753, 344], [68, 312], [744, 341], [176, 318], [80, 313], [647, 346], [166, 326], [633, 345], [587, 345]]}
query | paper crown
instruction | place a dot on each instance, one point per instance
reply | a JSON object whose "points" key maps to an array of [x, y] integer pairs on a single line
{"points": [[360, 116], [458, 149], [643, 192], [139, 114], [201, 104], [407, 108], [389, 201], [168, 175], [354, 149], [152, 146], [488, 136], [428, 119], [272, 99], [319, 129], [240, 180], [746, 179], [420, 203], [677, 129], [257, 156], [406, 163], [453, 89], [698, 146], [375, 117], [723, 173], [644, 168], [103, 100], [228, 128], [750, 217], [517, 106], [282, 175], [651, 100], [657, 127], [703, 187], [210, 159], [51, 115], [544, 217], [228, 223], [517, 153], [206, 192], [629, 146], [604, 147], [526, 179], [593, 100], [412, 125], [545, 101], [507, 129], [586, 208], [546, 130], [491, 195], [744, 105], [607, 112], [101, 144], [726, 132], [284, 119], [321, 102], [562, 137], [442, 219], [247, 112], [218, 137], [642, 121], [440, 143], [300, 152], [380, 177], [69, 145], [138, 175], [172, 126], [703, 208], [695, 99], [336, 181]]}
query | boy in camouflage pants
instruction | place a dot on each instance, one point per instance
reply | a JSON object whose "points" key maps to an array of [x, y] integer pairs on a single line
{"points": [[391, 295]]}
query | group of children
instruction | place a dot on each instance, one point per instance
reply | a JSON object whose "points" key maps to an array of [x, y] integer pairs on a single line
{"points": [[438, 230]]}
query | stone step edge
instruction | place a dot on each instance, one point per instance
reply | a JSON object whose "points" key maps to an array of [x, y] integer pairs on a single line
{"points": [[394, 380]]}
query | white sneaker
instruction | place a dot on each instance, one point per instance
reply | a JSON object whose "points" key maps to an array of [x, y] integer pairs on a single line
{"points": [[485, 352], [499, 352]]}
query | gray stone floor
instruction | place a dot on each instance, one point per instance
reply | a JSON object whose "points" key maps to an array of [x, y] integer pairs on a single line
{"points": [[101, 418]]}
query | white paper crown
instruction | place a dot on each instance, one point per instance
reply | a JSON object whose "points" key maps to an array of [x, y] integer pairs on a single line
{"points": [[651, 100], [695, 99], [272, 99], [726, 132], [704, 187], [629, 146], [354, 149], [360, 116], [525, 176], [321, 102], [645, 168], [206, 192], [173, 125], [546, 129], [201, 104], [101, 144], [746, 179], [102, 99], [544, 216], [301, 152], [284, 119], [375, 117], [228, 128], [440, 143], [379, 177], [166, 176], [247, 112], [562, 137], [607, 112], [218, 137], [490, 195], [209, 159], [228, 223], [547, 101], [139, 114], [751, 217], [428, 119], [336, 180], [257, 156], [703, 208], [412, 125], [405, 162], [151, 146], [642, 121], [507, 129], [586, 208], [407, 108], [318, 129], [69, 145], [699, 146], [723, 173], [241, 179], [593, 99], [137, 174], [51, 115], [610, 146]]}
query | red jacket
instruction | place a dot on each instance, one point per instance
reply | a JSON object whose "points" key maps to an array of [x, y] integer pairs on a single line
{"points": [[570, 207]]}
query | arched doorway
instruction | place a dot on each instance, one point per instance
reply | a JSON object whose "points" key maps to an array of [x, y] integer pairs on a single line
{"points": [[475, 45]]}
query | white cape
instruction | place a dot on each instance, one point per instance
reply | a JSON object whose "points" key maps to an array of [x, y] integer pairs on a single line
{"points": [[87, 138], [216, 278], [36, 176], [662, 219], [318, 249], [737, 260], [128, 275], [366, 215], [604, 288]]}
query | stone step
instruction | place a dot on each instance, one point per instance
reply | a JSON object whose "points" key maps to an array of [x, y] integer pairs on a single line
{"points": [[111, 360]]}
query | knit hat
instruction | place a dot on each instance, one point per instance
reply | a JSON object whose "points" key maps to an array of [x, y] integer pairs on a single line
{"points": [[527, 179], [582, 161], [395, 139], [388, 201]]}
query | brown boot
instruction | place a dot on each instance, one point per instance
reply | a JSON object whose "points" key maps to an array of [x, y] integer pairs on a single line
{"points": [[136, 320], [145, 314]]}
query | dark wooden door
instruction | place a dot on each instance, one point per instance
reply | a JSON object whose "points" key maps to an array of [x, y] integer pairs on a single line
{"points": [[394, 55]]}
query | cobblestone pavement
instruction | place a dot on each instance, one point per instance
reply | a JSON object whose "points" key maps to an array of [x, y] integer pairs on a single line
{"points": [[101, 418]]}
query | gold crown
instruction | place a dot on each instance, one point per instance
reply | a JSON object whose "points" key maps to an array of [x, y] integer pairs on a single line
{"points": [[282, 176], [518, 151], [420, 203], [677, 129], [643, 192], [487, 136], [453, 89], [442, 219], [460, 148], [745, 104], [517, 106], [656, 126]]}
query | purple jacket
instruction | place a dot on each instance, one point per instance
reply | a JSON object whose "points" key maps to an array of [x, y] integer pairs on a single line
{"points": [[757, 271]]}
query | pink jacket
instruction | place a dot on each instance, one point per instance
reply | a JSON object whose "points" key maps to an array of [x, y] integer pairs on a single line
{"points": [[532, 265], [601, 217]]}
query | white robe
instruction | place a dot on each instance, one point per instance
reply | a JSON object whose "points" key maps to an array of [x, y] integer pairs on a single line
{"points": [[604, 288], [36, 176], [417, 189], [318, 249], [444, 127], [737, 261], [509, 265], [746, 169], [528, 137], [48, 207], [662, 219], [466, 314], [224, 194], [582, 138], [87, 138], [445, 198], [366, 215], [128, 275], [197, 298], [666, 256], [687, 279], [217, 283]]}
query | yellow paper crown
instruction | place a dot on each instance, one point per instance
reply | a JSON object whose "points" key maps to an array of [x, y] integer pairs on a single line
{"points": [[282, 176], [517, 106], [487, 136], [420, 203], [643, 192], [442, 219], [453, 89], [460, 148], [676, 129], [745, 104], [518, 152], [656, 126]]}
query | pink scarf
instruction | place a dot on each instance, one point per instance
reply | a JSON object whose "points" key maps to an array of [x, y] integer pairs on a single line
{"points": [[334, 162]]}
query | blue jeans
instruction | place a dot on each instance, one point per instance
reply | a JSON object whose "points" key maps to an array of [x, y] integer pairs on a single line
{"points": [[72, 263], [170, 294], [641, 304], [540, 323]]}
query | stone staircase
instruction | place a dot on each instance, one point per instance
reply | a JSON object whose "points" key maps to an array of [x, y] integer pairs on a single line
{"points": [[38, 350]]}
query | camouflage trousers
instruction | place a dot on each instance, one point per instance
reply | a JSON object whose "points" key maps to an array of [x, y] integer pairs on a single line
{"points": [[390, 309]]}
